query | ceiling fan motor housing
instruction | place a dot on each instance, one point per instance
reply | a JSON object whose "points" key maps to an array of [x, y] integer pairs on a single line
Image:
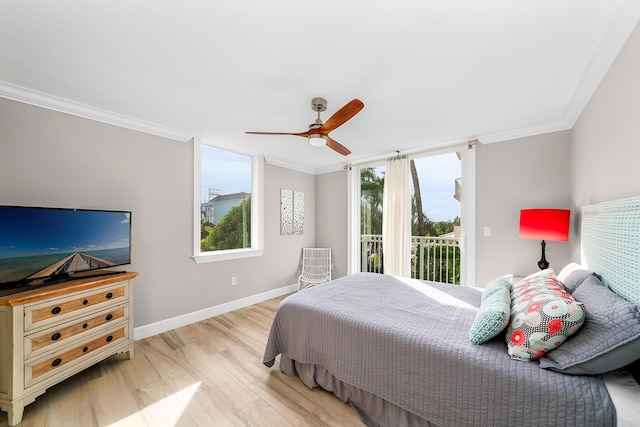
{"points": [[318, 104]]}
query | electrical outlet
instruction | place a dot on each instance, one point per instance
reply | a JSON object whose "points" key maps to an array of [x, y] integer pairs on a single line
{"points": [[234, 280]]}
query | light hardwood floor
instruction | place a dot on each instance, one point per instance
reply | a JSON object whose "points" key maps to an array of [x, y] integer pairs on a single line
{"points": [[206, 374]]}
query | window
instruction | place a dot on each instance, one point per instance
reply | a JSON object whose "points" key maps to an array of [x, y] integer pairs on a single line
{"points": [[371, 195], [228, 209], [450, 219]]}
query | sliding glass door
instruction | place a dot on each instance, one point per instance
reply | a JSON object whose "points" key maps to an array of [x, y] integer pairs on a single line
{"points": [[438, 231], [436, 211]]}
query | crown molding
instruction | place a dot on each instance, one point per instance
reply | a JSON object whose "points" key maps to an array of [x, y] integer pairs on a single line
{"points": [[622, 23], [524, 132], [288, 165], [44, 100], [330, 169]]}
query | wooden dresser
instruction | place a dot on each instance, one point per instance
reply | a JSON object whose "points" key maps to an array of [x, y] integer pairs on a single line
{"points": [[50, 333]]}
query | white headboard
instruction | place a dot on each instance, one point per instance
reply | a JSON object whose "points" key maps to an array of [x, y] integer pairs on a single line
{"points": [[611, 245]]}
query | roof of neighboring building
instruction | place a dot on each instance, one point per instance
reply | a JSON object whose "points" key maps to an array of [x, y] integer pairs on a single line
{"points": [[222, 197]]}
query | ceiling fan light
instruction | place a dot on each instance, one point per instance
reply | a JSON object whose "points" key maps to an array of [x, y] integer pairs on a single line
{"points": [[317, 139]]}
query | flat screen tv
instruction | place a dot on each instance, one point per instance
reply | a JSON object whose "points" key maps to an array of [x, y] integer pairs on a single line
{"points": [[41, 245]]}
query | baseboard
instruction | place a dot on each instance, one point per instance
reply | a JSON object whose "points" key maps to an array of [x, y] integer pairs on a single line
{"points": [[197, 316]]}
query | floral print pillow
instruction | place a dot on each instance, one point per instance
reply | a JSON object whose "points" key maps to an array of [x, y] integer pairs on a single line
{"points": [[543, 316]]}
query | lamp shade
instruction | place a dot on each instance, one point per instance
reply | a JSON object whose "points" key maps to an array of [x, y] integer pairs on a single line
{"points": [[545, 224]]}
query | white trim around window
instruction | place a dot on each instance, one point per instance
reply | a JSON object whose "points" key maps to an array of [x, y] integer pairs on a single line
{"points": [[257, 213], [468, 277]]}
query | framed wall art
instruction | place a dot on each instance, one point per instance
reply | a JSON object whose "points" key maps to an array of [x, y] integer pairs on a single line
{"points": [[291, 212]]}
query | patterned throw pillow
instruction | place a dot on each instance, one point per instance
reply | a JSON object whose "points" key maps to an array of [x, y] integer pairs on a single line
{"points": [[543, 316], [493, 314]]}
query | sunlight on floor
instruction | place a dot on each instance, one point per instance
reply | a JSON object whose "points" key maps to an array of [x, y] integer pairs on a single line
{"points": [[164, 412]]}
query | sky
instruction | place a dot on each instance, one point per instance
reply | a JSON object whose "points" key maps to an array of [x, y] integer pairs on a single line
{"points": [[437, 175], [41, 231], [228, 172], [231, 173]]}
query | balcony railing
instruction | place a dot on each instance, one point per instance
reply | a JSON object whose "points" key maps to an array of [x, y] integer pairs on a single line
{"points": [[432, 258]]}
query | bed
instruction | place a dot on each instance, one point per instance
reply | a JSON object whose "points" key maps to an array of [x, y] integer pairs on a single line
{"points": [[398, 349]]}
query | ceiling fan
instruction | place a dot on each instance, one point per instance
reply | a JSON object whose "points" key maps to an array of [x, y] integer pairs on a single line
{"points": [[318, 132]]}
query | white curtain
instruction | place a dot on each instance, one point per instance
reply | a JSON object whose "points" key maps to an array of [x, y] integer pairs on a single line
{"points": [[396, 218]]}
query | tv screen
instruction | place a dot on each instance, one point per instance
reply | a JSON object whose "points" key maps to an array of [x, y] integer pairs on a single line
{"points": [[43, 245]]}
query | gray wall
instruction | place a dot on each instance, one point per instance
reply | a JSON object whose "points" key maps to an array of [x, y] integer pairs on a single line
{"points": [[596, 161], [331, 218], [54, 159], [606, 138], [520, 174], [524, 173]]}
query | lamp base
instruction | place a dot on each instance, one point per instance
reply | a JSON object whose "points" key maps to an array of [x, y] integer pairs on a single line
{"points": [[543, 264]]}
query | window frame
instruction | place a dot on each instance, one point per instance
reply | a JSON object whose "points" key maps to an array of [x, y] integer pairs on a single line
{"points": [[468, 211], [257, 210]]}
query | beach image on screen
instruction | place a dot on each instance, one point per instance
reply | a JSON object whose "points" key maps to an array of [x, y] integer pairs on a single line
{"points": [[48, 242]]}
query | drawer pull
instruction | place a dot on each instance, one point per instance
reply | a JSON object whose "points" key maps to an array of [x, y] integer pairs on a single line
{"points": [[56, 362], [85, 326], [56, 310], [85, 349], [85, 302], [109, 317], [55, 336], [109, 295], [109, 338]]}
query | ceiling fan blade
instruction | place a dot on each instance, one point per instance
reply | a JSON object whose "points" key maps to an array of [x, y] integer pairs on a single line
{"points": [[304, 134], [337, 147], [342, 115]]}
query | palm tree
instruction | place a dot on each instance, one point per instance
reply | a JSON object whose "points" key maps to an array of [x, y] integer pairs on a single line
{"points": [[418, 197], [371, 193]]}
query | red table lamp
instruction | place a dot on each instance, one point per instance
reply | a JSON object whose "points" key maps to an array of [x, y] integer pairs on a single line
{"points": [[544, 224]]}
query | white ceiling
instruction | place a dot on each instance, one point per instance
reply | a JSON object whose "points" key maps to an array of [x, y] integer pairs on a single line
{"points": [[430, 73]]}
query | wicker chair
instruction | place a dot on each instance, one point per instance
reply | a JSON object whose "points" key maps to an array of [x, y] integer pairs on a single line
{"points": [[316, 267]]}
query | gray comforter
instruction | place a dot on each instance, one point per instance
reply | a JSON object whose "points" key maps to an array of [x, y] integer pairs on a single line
{"points": [[406, 341]]}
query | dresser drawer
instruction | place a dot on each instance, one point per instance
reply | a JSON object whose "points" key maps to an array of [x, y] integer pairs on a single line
{"points": [[49, 333], [62, 361], [74, 305], [50, 339]]}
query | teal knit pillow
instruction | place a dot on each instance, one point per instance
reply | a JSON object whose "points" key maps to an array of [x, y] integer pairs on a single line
{"points": [[493, 315], [497, 284]]}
